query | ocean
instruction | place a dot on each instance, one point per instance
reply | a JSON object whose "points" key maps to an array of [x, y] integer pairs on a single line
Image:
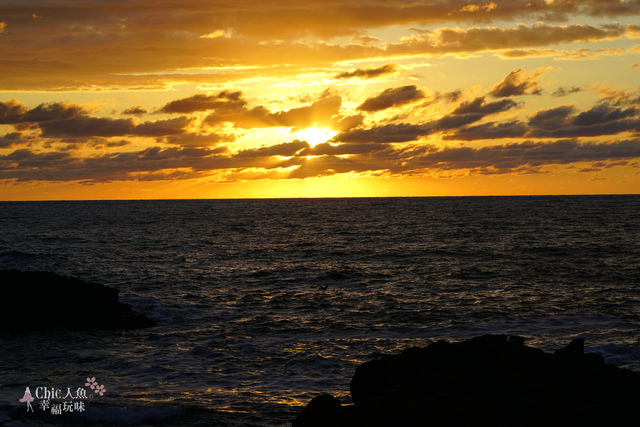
{"points": [[264, 304]]}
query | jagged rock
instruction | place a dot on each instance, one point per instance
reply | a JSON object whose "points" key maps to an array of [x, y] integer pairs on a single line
{"points": [[38, 300], [493, 380]]}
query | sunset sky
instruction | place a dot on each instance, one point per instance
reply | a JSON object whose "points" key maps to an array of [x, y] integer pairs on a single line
{"points": [[231, 99]]}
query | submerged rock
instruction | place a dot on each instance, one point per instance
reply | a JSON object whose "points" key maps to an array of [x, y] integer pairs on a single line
{"points": [[493, 380], [38, 300]]}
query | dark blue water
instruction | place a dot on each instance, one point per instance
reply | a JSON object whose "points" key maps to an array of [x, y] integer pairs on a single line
{"points": [[264, 304]]}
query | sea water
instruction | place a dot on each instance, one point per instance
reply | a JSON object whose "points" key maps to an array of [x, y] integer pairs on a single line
{"points": [[264, 304]]}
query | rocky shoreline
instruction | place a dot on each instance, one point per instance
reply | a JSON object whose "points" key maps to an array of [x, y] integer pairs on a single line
{"points": [[40, 300], [492, 380]]}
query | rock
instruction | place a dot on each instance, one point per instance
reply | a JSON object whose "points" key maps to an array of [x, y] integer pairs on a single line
{"points": [[37, 300], [493, 380], [321, 411], [574, 350]]}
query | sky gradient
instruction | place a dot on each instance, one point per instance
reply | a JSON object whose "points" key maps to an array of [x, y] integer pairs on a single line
{"points": [[212, 99]]}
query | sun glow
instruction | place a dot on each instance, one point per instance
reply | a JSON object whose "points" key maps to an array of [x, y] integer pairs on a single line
{"points": [[265, 100], [315, 135]]}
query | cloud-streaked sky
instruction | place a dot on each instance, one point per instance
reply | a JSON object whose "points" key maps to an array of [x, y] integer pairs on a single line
{"points": [[179, 99]]}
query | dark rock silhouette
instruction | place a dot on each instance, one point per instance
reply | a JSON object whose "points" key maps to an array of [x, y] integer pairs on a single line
{"points": [[38, 300], [323, 410], [493, 380]]}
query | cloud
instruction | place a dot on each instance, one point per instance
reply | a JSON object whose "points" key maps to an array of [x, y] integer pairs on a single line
{"points": [[557, 122], [152, 163], [607, 128], [156, 52], [511, 157], [175, 126], [344, 123], [155, 47], [54, 111], [285, 149], [369, 73], [59, 120], [451, 96], [252, 48], [564, 91], [390, 133], [197, 140], [329, 149], [619, 97], [328, 158], [600, 120], [365, 39], [11, 112], [223, 101], [552, 118], [108, 143], [319, 113], [491, 130], [11, 140], [564, 54], [134, 111], [25, 165], [602, 113], [444, 41], [215, 34], [339, 19], [462, 115], [88, 126], [392, 97], [14, 112], [454, 121], [473, 8], [518, 82], [256, 117], [480, 106]]}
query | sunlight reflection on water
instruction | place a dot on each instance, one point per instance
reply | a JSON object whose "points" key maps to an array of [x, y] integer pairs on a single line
{"points": [[265, 303]]}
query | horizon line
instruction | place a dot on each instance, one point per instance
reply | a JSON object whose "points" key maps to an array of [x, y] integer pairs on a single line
{"points": [[328, 197]]}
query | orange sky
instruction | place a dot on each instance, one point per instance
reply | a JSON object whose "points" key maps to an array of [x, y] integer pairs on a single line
{"points": [[211, 99]]}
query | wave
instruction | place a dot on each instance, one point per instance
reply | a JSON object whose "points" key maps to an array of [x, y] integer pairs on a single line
{"points": [[130, 415], [18, 255]]}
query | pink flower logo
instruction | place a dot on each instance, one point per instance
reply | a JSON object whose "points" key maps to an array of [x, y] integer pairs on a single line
{"points": [[91, 382], [97, 388], [100, 390]]}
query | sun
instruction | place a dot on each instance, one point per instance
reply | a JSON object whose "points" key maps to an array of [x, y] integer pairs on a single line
{"points": [[315, 135]]}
